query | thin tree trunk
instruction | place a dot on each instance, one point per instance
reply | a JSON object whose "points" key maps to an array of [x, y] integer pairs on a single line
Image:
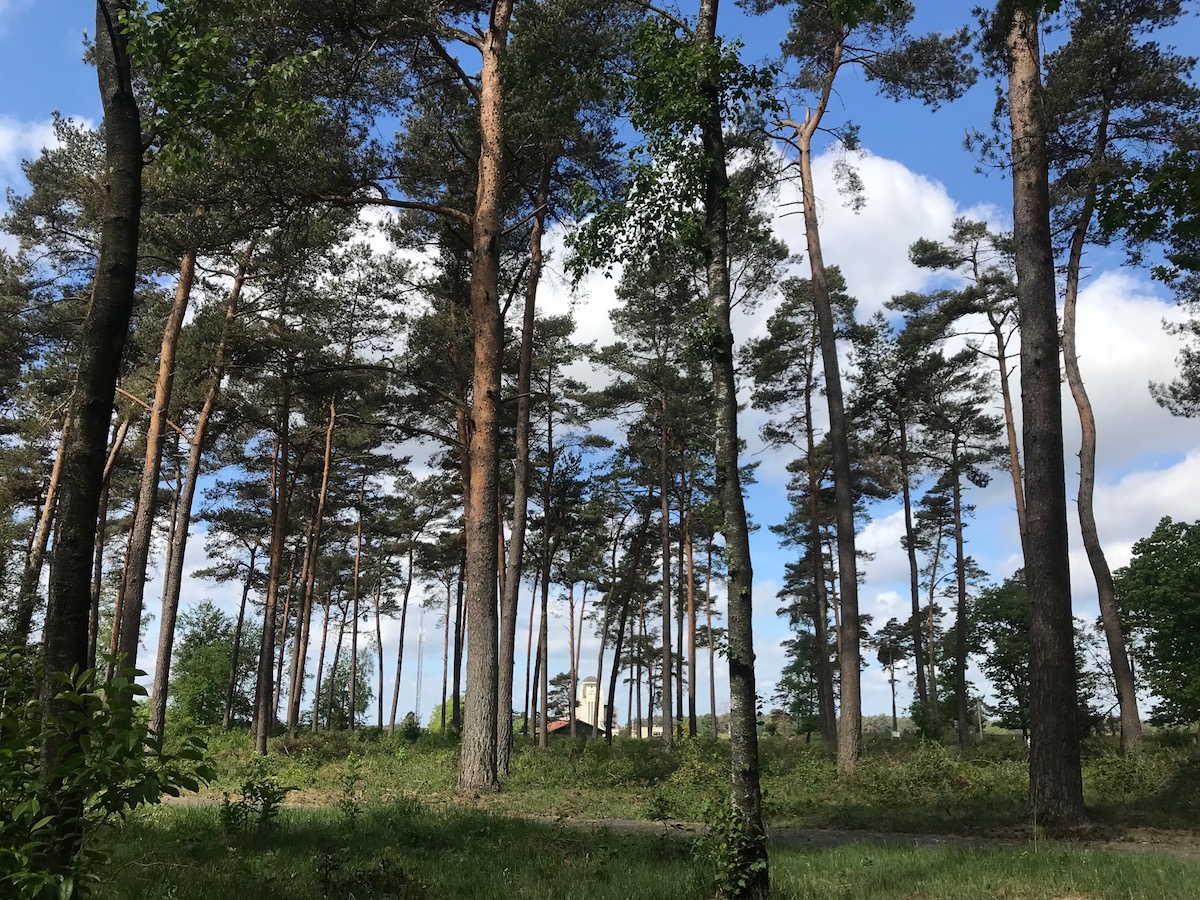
{"points": [[826, 710], [263, 692], [1010, 425], [529, 649], [309, 577], [231, 684], [849, 656], [664, 526], [1055, 775], [331, 700], [27, 597], [516, 546], [400, 642], [114, 637], [362, 483], [1110, 616], [173, 578], [446, 654], [543, 674], [379, 650], [315, 724], [287, 607], [743, 714], [101, 529], [712, 661], [144, 512], [691, 615], [914, 572], [962, 714], [571, 663], [460, 626]]}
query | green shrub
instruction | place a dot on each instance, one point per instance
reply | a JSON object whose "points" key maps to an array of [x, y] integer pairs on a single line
{"points": [[106, 767]]}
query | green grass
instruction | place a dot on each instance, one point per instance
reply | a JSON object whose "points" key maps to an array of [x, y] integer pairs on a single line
{"points": [[902, 785], [397, 851], [407, 851]]}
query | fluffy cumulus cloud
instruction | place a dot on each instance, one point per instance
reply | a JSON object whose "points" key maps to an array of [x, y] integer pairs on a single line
{"points": [[20, 141]]}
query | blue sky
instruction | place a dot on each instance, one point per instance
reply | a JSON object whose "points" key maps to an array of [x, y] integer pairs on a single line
{"points": [[918, 179]]}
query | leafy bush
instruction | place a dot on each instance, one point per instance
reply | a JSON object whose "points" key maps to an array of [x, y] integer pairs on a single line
{"points": [[106, 766], [260, 801]]}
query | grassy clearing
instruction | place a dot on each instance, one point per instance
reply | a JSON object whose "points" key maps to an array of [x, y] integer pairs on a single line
{"points": [[407, 851], [901, 785]]}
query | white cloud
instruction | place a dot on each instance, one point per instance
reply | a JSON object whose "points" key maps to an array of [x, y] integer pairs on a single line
{"points": [[20, 141]]}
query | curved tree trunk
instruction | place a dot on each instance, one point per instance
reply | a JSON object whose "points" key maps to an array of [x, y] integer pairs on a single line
{"points": [[1110, 616], [849, 655]]}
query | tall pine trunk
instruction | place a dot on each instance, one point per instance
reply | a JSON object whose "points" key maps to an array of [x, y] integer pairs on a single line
{"points": [[173, 579], [849, 655], [516, 547], [1055, 777], [101, 343], [477, 761], [144, 511], [308, 575], [264, 714], [743, 714], [1110, 616]]}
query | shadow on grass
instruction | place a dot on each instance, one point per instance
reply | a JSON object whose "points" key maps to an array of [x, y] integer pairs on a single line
{"points": [[401, 851]]}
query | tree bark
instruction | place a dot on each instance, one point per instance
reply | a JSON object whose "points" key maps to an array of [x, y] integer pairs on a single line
{"points": [[102, 341], [308, 575], [400, 642], [316, 719], [1055, 779], [664, 528], [914, 572], [144, 511], [114, 451], [516, 545], [477, 761], [743, 714], [173, 579], [231, 684], [27, 596], [849, 655], [1110, 616], [460, 626], [264, 694], [962, 714]]}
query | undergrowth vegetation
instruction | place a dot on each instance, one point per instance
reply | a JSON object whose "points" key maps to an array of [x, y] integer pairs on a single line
{"points": [[900, 785], [410, 851]]}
